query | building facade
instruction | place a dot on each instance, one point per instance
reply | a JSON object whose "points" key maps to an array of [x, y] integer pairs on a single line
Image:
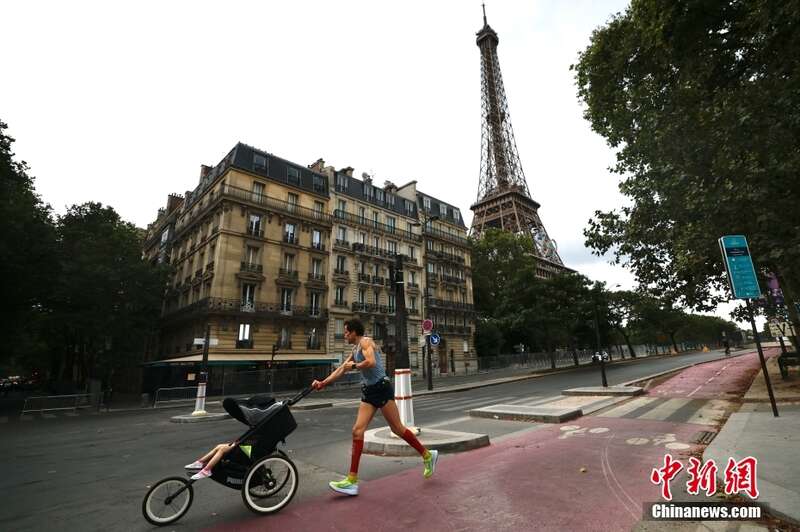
{"points": [[273, 257]]}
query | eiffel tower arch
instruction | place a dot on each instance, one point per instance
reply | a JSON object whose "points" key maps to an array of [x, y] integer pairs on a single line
{"points": [[504, 201]]}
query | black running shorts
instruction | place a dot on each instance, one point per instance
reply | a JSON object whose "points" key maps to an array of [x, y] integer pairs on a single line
{"points": [[377, 394]]}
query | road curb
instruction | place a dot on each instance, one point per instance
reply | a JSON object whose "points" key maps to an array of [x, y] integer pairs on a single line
{"points": [[681, 368]]}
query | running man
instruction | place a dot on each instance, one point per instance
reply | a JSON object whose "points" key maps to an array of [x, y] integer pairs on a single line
{"points": [[376, 394]]}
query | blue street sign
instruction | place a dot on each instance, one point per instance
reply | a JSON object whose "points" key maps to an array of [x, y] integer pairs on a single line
{"points": [[739, 264], [435, 339]]}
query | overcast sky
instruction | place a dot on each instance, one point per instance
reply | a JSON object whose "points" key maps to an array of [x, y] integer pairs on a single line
{"points": [[121, 102]]}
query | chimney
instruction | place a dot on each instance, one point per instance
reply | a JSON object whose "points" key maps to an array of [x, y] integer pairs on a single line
{"points": [[348, 171], [204, 171], [317, 166], [174, 201]]}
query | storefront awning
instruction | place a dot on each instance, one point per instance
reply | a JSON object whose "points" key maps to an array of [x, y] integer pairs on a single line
{"points": [[218, 359]]}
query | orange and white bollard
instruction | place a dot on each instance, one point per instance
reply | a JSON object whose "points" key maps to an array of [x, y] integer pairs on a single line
{"points": [[403, 398]]}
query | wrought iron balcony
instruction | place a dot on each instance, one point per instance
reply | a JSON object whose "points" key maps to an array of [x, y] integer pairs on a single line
{"points": [[316, 277], [255, 231], [318, 246], [251, 267], [376, 279], [386, 229], [339, 303], [437, 233], [291, 238], [339, 243], [275, 204], [288, 274], [364, 278]]}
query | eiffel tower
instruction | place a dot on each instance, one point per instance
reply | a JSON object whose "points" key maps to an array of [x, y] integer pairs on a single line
{"points": [[504, 201]]}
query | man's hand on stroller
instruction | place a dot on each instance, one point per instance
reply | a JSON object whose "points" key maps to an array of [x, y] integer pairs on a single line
{"points": [[318, 385]]}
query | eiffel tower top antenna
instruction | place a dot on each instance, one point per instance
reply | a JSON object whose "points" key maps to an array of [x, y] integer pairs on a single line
{"points": [[483, 5]]}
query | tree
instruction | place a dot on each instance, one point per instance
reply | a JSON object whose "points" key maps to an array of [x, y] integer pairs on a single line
{"points": [[106, 300], [27, 259], [621, 312], [701, 101]]}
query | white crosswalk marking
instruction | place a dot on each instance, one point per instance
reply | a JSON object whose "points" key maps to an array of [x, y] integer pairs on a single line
{"points": [[444, 403], [628, 407], [710, 413], [663, 411], [479, 402]]}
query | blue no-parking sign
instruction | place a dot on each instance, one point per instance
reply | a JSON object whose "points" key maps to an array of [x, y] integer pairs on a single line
{"points": [[435, 339]]}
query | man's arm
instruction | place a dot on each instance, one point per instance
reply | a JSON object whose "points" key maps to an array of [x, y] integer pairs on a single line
{"points": [[368, 350], [335, 374]]}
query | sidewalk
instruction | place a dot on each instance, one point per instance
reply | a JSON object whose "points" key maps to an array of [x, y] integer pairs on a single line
{"points": [[775, 442]]}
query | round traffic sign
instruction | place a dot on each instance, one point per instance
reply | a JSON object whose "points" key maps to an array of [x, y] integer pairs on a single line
{"points": [[427, 325], [435, 339]]}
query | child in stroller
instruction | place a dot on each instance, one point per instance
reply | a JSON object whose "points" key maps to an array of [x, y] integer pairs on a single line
{"points": [[249, 412]]}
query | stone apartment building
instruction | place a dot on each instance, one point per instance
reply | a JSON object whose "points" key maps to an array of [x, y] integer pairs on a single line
{"points": [[274, 256]]}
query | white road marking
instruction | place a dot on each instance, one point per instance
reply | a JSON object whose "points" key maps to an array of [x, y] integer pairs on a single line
{"points": [[629, 407], [663, 411], [677, 446], [636, 441]]}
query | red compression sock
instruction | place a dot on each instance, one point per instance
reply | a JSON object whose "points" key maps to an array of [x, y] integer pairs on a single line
{"points": [[413, 441], [358, 445]]}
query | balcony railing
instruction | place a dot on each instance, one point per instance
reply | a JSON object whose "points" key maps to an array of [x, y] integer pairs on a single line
{"points": [[251, 267], [275, 204], [377, 280], [291, 238], [318, 246], [289, 274], [255, 231], [453, 280], [437, 233], [413, 311], [316, 277], [446, 256], [364, 278], [341, 243], [337, 271], [383, 228], [442, 303], [340, 303]]}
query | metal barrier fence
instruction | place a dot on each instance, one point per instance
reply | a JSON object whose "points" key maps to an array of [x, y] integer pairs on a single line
{"points": [[273, 381], [173, 395], [53, 403]]}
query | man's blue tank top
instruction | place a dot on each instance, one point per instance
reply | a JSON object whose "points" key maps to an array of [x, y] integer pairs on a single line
{"points": [[373, 374]]}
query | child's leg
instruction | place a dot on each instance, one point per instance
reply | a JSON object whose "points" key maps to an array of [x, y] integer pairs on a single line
{"points": [[220, 451], [210, 454]]}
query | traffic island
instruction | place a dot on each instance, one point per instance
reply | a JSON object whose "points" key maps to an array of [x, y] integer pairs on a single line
{"points": [[537, 413], [382, 442], [189, 418]]}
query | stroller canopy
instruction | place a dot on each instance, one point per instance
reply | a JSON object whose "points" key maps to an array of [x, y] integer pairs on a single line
{"points": [[251, 410]]}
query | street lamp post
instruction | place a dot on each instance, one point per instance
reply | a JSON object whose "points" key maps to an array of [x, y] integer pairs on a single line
{"points": [[272, 369], [599, 353], [200, 401]]}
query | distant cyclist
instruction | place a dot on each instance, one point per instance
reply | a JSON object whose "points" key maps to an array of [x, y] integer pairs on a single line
{"points": [[376, 394]]}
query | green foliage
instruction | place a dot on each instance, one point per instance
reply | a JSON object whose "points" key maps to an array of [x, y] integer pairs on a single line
{"points": [[27, 258], [702, 101]]}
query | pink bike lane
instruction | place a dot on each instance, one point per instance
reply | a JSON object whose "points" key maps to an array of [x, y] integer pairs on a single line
{"points": [[590, 474]]}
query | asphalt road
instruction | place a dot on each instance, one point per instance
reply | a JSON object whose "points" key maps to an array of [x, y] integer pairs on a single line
{"points": [[91, 472]]}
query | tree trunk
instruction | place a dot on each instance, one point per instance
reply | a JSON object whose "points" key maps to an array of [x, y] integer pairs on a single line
{"points": [[627, 342], [674, 345]]}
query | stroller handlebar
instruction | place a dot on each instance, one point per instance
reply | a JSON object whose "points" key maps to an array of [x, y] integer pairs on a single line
{"points": [[305, 391]]}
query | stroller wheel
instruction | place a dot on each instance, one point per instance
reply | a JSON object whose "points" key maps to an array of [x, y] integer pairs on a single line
{"points": [[270, 484], [167, 501]]}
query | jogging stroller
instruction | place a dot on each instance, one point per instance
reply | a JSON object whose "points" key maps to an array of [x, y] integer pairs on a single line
{"points": [[265, 475]]}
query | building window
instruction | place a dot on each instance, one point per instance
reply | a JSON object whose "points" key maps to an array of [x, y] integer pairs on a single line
{"points": [[341, 181], [244, 340], [285, 338], [426, 204], [431, 268], [294, 176], [316, 267], [362, 268], [412, 252], [391, 303], [341, 263], [315, 300], [313, 341], [379, 194], [429, 245], [316, 239], [339, 295], [259, 163], [409, 207], [362, 296], [165, 236], [251, 257], [362, 214], [288, 262], [412, 277], [391, 223], [318, 183], [362, 238], [248, 297], [293, 200], [391, 246], [286, 299], [368, 190], [339, 329], [466, 346], [376, 242], [258, 192], [341, 205], [341, 234], [319, 209], [457, 215], [290, 233], [377, 297], [413, 302], [390, 199], [254, 225]]}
